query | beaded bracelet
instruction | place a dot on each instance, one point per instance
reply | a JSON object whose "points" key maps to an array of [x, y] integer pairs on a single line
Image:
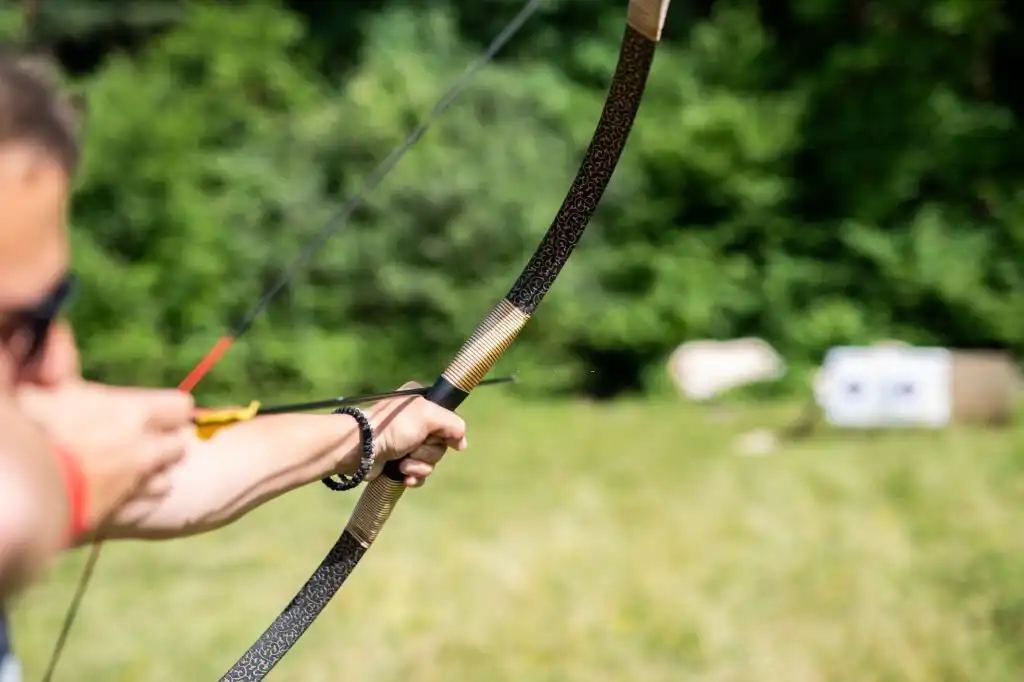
{"points": [[365, 462]]}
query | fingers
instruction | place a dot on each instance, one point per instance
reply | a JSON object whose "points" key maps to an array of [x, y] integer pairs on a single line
{"points": [[444, 425], [416, 427], [415, 468], [428, 453], [166, 450], [155, 477], [420, 463], [157, 485], [437, 424], [169, 409], [416, 472]]}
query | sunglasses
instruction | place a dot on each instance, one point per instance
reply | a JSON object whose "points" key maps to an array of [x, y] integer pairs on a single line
{"points": [[26, 330]]}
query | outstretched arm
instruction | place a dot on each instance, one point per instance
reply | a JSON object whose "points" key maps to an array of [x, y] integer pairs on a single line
{"points": [[216, 481], [238, 469]]}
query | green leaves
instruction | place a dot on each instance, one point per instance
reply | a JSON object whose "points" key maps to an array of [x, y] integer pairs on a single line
{"points": [[810, 177]]}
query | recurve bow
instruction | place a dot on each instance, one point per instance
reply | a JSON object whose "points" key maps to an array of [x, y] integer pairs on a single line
{"points": [[495, 334]]}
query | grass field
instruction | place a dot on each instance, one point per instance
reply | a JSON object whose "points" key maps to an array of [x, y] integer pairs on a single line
{"points": [[581, 542]]}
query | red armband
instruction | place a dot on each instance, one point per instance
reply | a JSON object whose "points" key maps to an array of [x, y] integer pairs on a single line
{"points": [[77, 491]]}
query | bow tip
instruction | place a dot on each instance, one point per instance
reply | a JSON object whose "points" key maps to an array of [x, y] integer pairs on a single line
{"points": [[647, 17]]}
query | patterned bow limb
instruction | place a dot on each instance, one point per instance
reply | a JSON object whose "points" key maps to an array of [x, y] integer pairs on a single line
{"points": [[491, 339]]}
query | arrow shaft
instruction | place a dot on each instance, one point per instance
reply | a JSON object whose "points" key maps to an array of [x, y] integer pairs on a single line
{"points": [[365, 398]]}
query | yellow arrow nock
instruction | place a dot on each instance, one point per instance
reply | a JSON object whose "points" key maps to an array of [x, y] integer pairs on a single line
{"points": [[211, 420]]}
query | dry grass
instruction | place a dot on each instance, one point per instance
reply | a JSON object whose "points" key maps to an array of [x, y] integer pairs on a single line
{"points": [[584, 542]]}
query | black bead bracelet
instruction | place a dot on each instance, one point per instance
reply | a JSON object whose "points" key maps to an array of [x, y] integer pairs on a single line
{"points": [[365, 462]]}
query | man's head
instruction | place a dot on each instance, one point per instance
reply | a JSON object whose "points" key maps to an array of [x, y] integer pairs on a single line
{"points": [[38, 156]]}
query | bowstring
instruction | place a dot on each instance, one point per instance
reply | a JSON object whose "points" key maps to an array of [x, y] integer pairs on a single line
{"points": [[331, 227]]}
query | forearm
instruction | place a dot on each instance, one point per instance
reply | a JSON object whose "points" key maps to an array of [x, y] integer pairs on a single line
{"points": [[239, 469], [33, 504]]}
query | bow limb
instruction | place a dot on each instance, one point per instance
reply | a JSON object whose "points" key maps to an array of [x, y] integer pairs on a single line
{"points": [[490, 340]]}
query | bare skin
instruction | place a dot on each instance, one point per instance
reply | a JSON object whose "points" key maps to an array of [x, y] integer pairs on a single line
{"points": [[33, 507], [220, 479], [33, 504], [150, 476]]}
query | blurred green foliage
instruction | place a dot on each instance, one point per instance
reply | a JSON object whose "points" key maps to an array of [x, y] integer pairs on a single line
{"points": [[809, 171]]}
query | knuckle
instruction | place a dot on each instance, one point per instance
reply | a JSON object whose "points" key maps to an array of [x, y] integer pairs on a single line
{"points": [[181, 401]]}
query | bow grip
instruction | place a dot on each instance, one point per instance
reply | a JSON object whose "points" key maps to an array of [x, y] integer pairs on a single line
{"points": [[442, 393]]}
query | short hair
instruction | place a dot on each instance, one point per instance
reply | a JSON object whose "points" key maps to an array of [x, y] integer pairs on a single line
{"points": [[33, 108]]}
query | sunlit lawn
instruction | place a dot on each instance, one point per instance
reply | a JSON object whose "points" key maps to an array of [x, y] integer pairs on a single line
{"points": [[625, 543]]}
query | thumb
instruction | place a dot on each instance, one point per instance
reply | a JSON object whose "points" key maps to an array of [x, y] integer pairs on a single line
{"points": [[410, 384], [448, 427]]}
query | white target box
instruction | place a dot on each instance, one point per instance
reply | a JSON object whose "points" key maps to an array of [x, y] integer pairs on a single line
{"points": [[892, 386]]}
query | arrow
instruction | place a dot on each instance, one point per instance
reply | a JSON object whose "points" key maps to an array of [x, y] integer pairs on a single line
{"points": [[210, 420]]}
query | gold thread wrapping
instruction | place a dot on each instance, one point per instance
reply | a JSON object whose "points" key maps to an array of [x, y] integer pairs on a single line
{"points": [[647, 17], [373, 509], [487, 344], [471, 364]]}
